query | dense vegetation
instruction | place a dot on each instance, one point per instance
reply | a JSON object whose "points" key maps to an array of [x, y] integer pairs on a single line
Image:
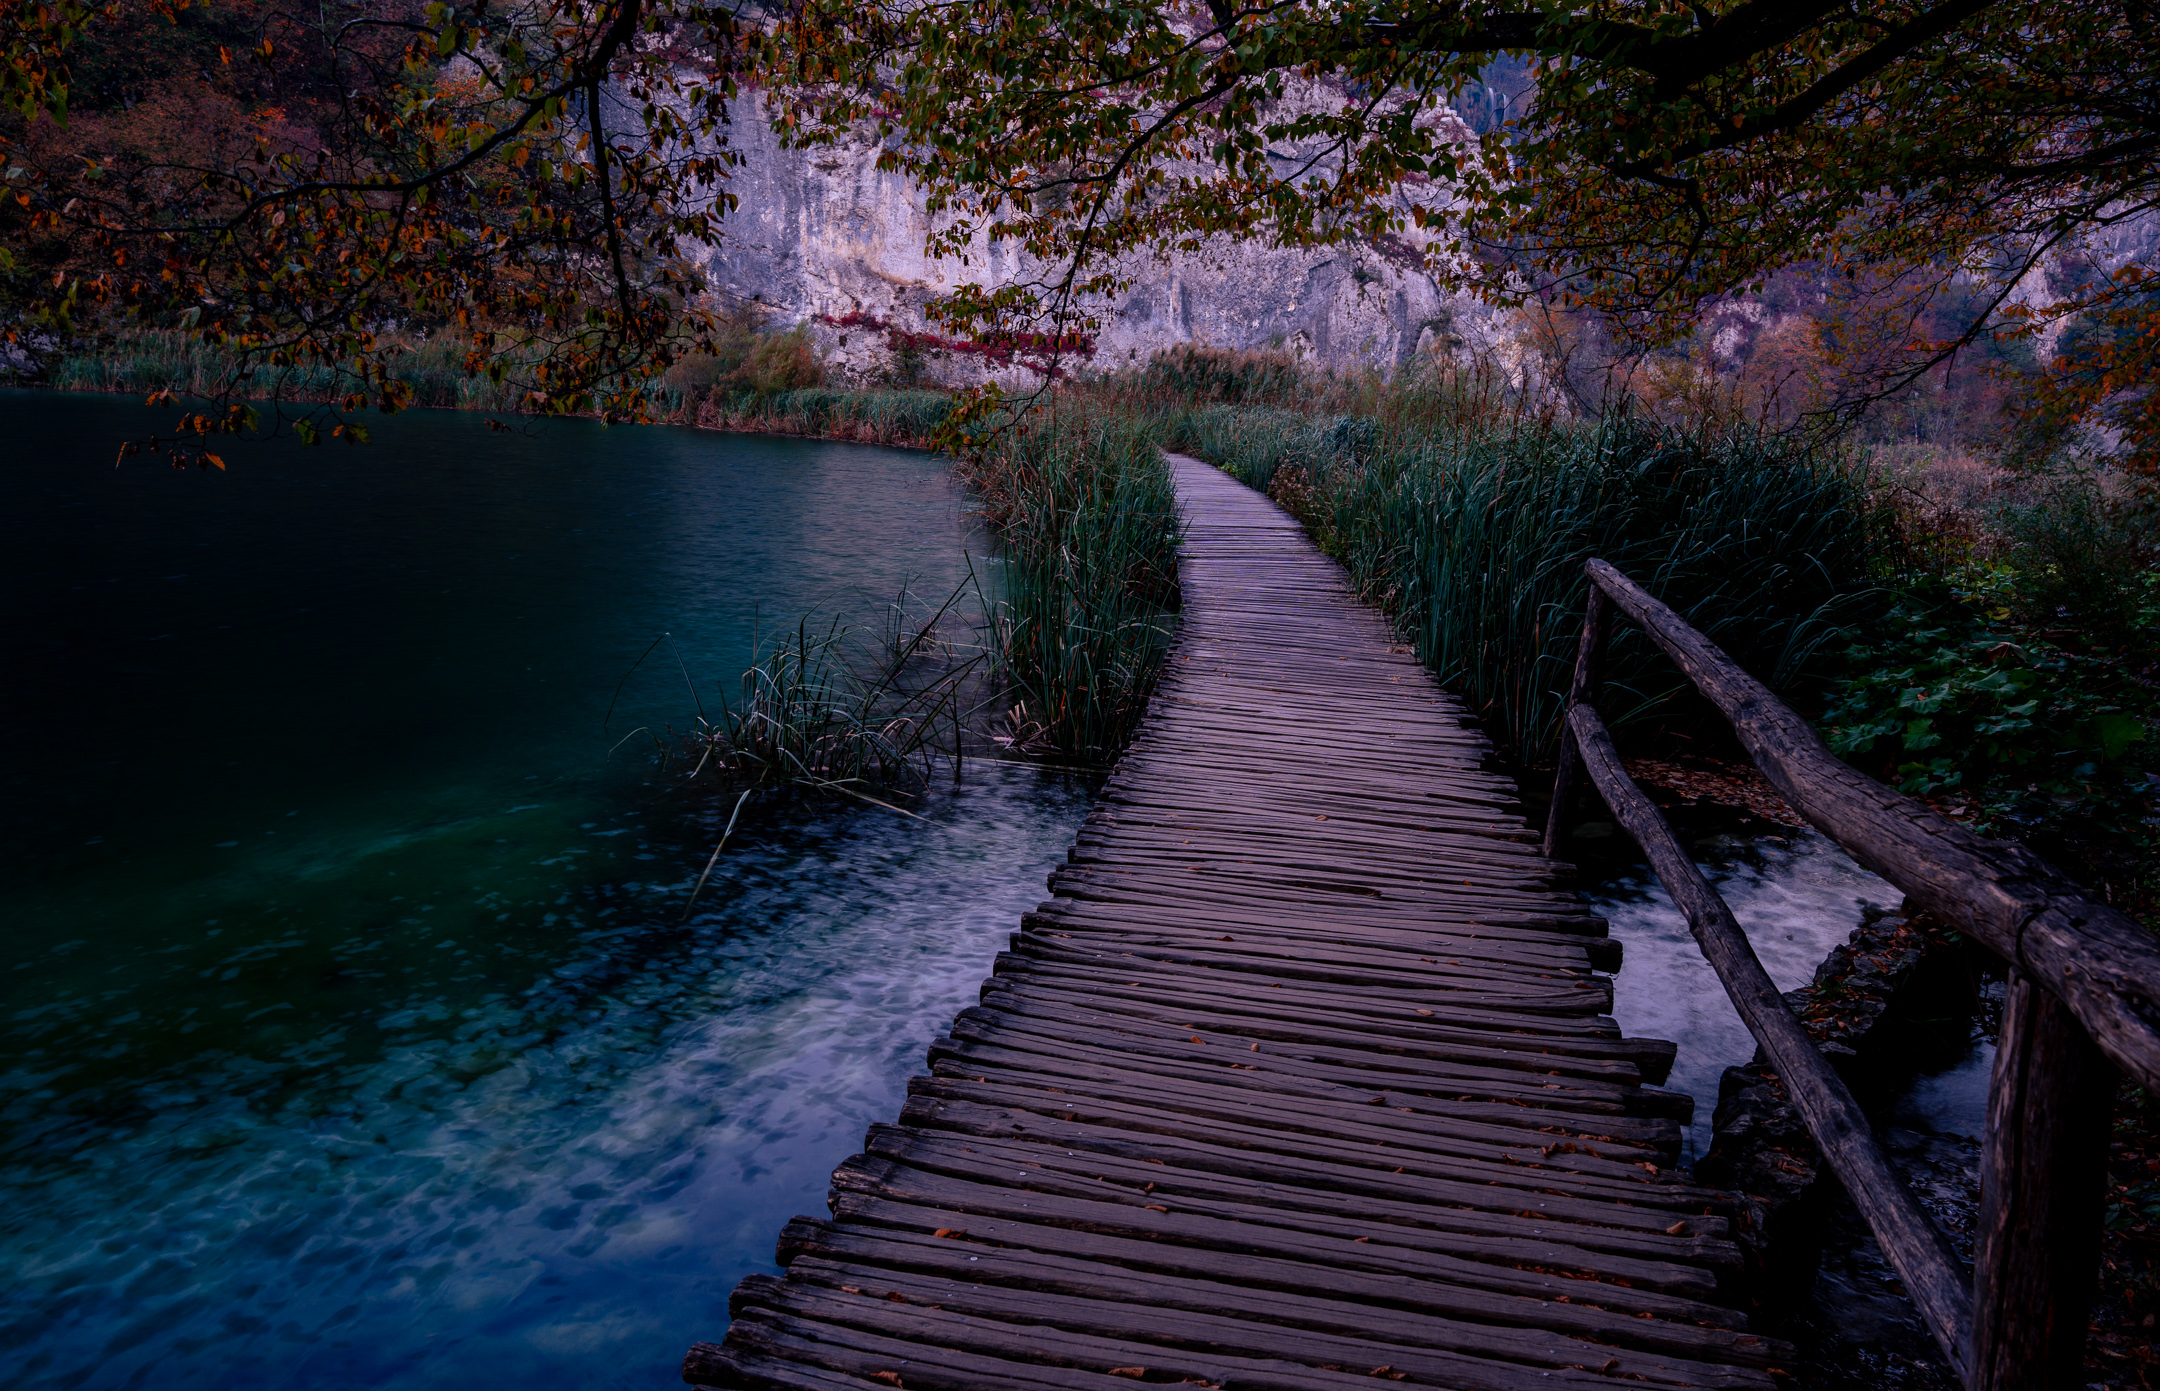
{"points": [[1082, 502], [1475, 541], [1984, 634]]}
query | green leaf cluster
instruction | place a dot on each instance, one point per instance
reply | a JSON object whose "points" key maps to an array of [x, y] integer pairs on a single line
{"points": [[1951, 699]]}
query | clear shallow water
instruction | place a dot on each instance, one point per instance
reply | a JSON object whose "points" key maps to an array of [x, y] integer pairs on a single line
{"points": [[349, 1038], [1797, 897]]}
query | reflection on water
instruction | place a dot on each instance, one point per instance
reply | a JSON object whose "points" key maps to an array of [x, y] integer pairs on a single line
{"points": [[1795, 896], [350, 1036]]}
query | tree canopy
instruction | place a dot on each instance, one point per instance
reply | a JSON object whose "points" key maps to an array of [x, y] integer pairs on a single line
{"points": [[1671, 153], [300, 186]]}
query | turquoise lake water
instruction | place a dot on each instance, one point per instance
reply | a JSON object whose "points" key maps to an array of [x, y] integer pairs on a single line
{"points": [[349, 1035]]}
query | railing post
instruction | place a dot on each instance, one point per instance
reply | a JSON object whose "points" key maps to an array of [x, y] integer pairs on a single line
{"points": [[1582, 690], [2043, 1172]]}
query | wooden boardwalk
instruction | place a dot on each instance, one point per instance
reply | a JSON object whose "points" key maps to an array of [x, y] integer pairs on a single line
{"points": [[1302, 1078]]}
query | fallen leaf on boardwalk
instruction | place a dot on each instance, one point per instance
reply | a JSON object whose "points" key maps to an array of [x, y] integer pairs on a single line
{"points": [[851, 1289], [1426, 1012], [892, 1377], [1197, 1039], [950, 1231], [1134, 1372], [1256, 1048], [1676, 1229], [896, 1297], [1156, 1207], [1361, 1240], [1377, 1101]]}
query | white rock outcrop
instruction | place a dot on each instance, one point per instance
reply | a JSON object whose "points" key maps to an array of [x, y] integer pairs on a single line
{"points": [[822, 234]]}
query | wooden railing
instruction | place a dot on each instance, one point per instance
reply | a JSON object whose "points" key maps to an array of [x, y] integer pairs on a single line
{"points": [[2084, 1000]]}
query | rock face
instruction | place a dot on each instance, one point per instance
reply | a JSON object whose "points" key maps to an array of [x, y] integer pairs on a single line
{"points": [[820, 235]]}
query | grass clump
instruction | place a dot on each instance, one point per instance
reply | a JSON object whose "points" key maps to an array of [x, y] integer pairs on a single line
{"points": [[1082, 502], [1469, 521], [822, 709]]}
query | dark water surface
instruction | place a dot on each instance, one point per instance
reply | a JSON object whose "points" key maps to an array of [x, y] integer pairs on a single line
{"points": [[349, 1038]]}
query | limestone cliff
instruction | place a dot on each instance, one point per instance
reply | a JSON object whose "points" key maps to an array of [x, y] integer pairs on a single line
{"points": [[820, 235]]}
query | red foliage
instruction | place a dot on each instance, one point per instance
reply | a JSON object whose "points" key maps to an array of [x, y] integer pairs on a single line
{"points": [[1037, 352]]}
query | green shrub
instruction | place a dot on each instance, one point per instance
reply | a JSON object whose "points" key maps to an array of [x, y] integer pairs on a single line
{"points": [[1950, 698], [2078, 558]]}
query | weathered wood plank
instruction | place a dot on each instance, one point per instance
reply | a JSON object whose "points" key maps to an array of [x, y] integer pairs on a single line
{"points": [[1304, 1074], [2092, 957], [2043, 1185]]}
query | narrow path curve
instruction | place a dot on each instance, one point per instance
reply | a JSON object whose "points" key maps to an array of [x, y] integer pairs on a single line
{"points": [[1303, 1077]]}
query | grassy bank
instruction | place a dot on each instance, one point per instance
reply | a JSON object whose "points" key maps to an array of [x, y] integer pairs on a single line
{"points": [[909, 419], [1468, 517], [760, 382], [147, 361]]}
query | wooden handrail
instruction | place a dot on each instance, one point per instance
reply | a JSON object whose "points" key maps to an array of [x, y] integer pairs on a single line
{"points": [[2097, 961], [1932, 1273], [2084, 990]]}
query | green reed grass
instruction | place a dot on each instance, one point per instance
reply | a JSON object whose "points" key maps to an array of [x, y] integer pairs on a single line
{"points": [[825, 709], [1470, 523], [1082, 502]]}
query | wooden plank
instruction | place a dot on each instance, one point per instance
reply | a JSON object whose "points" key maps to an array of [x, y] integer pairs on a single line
{"points": [[1190, 1317], [1493, 1154], [1234, 1083], [1443, 1076], [1201, 1248], [2092, 957], [1700, 1246], [1914, 1245], [2043, 1185], [1593, 1109], [1305, 1073], [1438, 1009]]}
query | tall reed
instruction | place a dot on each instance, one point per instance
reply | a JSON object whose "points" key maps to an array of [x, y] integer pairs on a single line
{"points": [[1082, 502], [1472, 531]]}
